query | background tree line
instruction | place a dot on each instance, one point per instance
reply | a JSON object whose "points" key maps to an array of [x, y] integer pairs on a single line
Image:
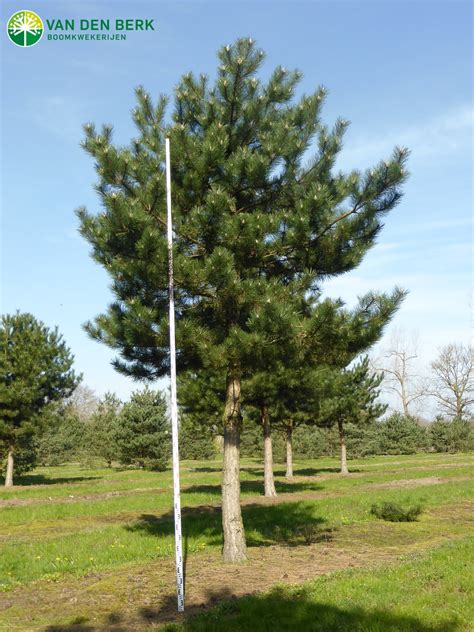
{"points": [[98, 439], [135, 433], [43, 412], [321, 413]]}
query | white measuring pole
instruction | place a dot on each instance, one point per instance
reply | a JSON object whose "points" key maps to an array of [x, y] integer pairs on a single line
{"points": [[174, 400]]}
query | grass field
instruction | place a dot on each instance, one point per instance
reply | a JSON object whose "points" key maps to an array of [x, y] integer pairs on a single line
{"points": [[92, 550]]}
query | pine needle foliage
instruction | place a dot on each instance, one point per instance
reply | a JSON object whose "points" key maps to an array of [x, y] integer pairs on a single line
{"points": [[258, 226], [394, 512], [35, 372]]}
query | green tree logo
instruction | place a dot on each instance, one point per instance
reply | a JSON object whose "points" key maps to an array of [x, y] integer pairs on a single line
{"points": [[25, 28]]}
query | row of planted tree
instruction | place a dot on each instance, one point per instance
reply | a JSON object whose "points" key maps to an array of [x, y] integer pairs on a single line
{"points": [[45, 421], [261, 221], [83, 428], [48, 419], [136, 433]]}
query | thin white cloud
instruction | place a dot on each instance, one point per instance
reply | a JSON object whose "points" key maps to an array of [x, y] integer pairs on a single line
{"points": [[444, 134], [452, 222]]}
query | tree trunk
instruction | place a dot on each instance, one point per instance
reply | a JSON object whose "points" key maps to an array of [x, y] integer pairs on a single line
{"points": [[289, 451], [219, 443], [342, 438], [269, 482], [9, 474], [459, 405], [406, 411], [234, 536]]}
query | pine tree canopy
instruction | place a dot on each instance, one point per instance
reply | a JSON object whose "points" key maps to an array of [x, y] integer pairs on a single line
{"points": [[143, 430], [260, 217], [35, 371], [202, 397], [102, 428], [350, 395], [315, 395]]}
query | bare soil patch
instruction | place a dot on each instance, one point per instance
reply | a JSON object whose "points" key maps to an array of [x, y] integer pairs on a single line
{"points": [[77, 498], [416, 482]]}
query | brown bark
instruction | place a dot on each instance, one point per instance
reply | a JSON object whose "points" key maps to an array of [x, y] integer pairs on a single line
{"points": [[342, 438], [234, 549], [269, 481], [289, 451], [9, 474]]}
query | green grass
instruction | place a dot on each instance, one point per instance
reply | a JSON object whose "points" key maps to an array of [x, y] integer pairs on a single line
{"points": [[71, 479], [53, 537], [69, 523], [424, 594]]}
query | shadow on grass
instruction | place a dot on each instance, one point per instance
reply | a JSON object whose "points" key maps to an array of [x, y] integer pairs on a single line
{"points": [[206, 469], [256, 487], [311, 471], [279, 610], [297, 471], [285, 523], [40, 479]]}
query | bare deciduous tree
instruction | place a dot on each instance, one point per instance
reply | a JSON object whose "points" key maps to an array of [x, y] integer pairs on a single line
{"points": [[83, 402], [397, 364], [453, 384]]}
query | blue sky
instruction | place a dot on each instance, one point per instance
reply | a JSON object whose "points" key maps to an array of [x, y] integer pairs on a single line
{"points": [[399, 71]]}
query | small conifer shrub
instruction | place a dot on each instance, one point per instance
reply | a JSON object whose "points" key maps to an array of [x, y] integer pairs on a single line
{"points": [[396, 513]]}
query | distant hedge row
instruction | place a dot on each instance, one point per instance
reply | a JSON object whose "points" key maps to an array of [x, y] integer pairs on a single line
{"points": [[76, 440]]}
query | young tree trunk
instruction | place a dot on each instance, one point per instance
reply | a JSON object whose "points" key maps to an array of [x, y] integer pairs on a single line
{"points": [[9, 475], [269, 482], [289, 451], [234, 535], [342, 438]]}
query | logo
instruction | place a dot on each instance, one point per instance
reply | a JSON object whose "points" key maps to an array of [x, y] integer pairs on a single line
{"points": [[25, 28]]}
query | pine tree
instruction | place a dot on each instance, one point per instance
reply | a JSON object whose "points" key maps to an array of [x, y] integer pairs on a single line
{"points": [[293, 393], [257, 230], [143, 431], [401, 434], [261, 391], [196, 440], [202, 397], [350, 396], [35, 371], [291, 398], [64, 437], [103, 427], [451, 435]]}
